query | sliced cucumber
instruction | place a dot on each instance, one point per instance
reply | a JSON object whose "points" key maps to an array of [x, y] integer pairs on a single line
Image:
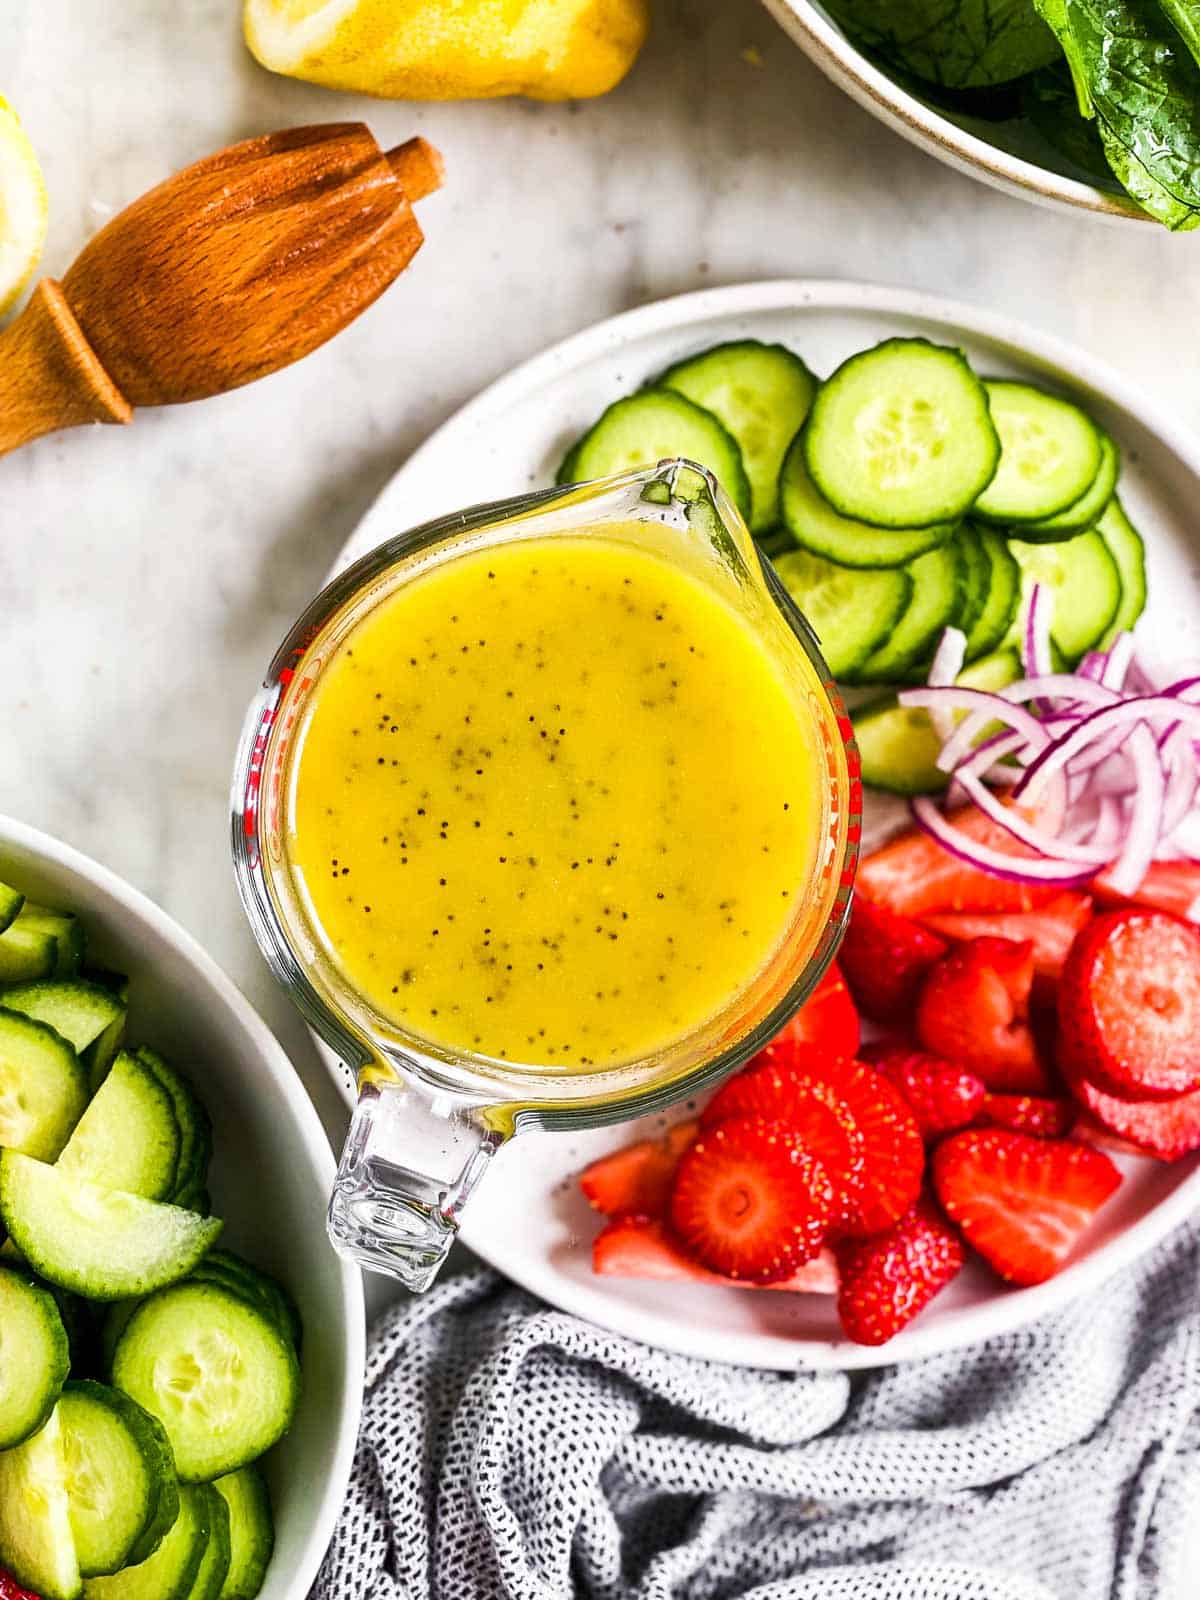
{"points": [[116, 1316], [219, 1374], [79, 1011], [36, 1544], [1001, 600], [976, 577], [259, 1288], [850, 612], [26, 953], [251, 1532], [937, 579], [775, 542], [761, 393], [195, 1128], [897, 744], [170, 1572], [97, 1242], [817, 527], [1125, 546], [63, 927], [1050, 453], [215, 1562], [43, 1087], [1085, 512], [98, 1056], [653, 426], [901, 436], [118, 1466], [128, 1137], [11, 901], [34, 1356], [1086, 585]]}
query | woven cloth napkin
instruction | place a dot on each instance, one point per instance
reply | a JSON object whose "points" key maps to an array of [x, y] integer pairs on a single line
{"points": [[511, 1452]]}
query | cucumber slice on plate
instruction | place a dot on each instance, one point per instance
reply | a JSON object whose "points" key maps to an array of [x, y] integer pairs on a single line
{"points": [[34, 1356], [170, 1573], [1125, 546], [128, 1137], [251, 1532], [63, 928], [656, 425], [1001, 600], [1085, 512], [118, 1469], [258, 1288], [97, 1242], [26, 953], [98, 1056], [43, 1087], [901, 436], [1050, 454], [815, 526], [1085, 582], [36, 1544], [221, 1377], [195, 1128], [11, 901], [79, 1011], [897, 744], [850, 612], [214, 1563], [937, 579], [761, 393]]}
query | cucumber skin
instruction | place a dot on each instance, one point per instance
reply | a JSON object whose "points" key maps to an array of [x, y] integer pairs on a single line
{"points": [[251, 1531], [1128, 550], [1092, 504], [885, 665], [195, 1125], [152, 1445], [1004, 586], [1017, 520], [214, 1563], [11, 901], [133, 1583], [58, 1356]]}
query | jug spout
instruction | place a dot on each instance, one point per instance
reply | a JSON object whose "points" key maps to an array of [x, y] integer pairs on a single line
{"points": [[409, 1166]]}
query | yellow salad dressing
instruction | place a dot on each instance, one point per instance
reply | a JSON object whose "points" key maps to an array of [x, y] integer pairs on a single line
{"points": [[553, 801]]}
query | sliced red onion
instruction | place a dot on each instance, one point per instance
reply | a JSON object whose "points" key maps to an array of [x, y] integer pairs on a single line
{"points": [[1145, 821], [945, 667], [1011, 820], [1015, 869], [1092, 666], [1183, 779], [1117, 662], [1148, 708], [985, 707], [1037, 660]]}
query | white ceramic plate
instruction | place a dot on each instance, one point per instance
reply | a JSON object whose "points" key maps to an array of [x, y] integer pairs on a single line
{"points": [[529, 1220], [271, 1176], [1006, 155]]}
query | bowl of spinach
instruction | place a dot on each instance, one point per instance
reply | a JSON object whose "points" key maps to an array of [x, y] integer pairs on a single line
{"points": [[1092, 104]]}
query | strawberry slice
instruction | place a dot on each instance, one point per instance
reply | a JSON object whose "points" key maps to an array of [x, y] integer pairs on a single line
{"points": [[828, 1018], [913, 876], [893, 1154], [641, 1247], [750, 1202], [942, 1096], [885, 958], [10, 1589], [636, 1179], [1168, 1129], [804, 1103], [1168, 886], [1051, 929], [1028, 1113], [1023, 1203], [974, 1009], [887, 1280], [1129, 1005]]}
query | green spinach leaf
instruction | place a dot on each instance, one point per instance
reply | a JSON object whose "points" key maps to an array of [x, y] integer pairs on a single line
{"points": [[1185, 17], [957, 44], [1051, 104]]}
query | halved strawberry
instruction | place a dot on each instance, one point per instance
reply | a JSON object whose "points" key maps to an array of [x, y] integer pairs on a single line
{"points": [[750, 1202], [828, 1018], [642, 1247], [1023, 1203], [798, 1097], [914, 876], [1168, 886], [885, 957], [1051, 929], [10, 1589], [636, 1179], [941, 1095], [974, 1009], [1129, 1005], [1168, 1129], [893, 1154], [887, 1280], [1028, 1113]]}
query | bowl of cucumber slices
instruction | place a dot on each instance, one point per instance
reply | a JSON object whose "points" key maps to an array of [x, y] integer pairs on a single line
{"points": [[181, 1354]]}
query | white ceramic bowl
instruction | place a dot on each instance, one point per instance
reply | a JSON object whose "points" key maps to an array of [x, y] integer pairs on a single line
{"points": [[991, 152], [271, 1175]]}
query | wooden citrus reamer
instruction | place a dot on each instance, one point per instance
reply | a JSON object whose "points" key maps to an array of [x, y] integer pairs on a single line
{"points": [[231, 269]]}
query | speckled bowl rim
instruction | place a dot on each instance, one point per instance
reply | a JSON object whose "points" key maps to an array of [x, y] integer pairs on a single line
{"points": [[828, 48]]}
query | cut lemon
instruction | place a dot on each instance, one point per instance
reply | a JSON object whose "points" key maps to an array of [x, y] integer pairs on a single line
{"points": [[22, 208], [450, 49]]}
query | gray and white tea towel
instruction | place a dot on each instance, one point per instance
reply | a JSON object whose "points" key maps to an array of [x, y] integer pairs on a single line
{"points": [[511, 1452]]}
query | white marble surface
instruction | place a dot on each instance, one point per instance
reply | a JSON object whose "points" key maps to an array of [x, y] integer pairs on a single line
{"points": [[148, 573]]}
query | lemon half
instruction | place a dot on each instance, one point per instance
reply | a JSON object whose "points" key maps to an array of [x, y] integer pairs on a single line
{"points": [[23, 208]]}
